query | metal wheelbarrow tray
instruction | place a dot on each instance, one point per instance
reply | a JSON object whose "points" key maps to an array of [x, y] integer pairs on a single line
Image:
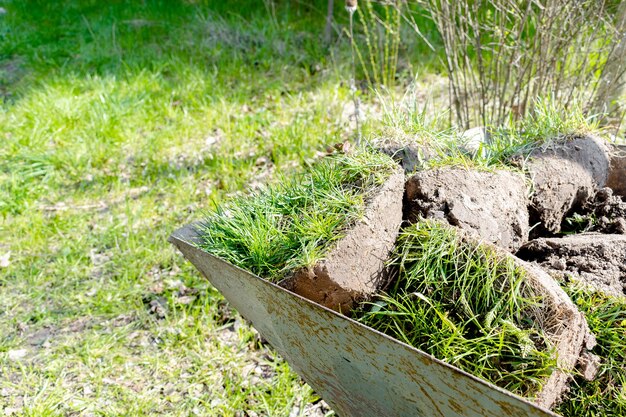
{"points": [[358, 371]]}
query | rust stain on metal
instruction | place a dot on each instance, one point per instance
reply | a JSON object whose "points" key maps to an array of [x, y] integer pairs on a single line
{"points": [[358, 371], [458, 408]]}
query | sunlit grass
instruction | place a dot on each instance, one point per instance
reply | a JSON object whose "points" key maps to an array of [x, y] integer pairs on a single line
{"points": [[119, 123], [501, 147], [466, 305], [294, 222]]}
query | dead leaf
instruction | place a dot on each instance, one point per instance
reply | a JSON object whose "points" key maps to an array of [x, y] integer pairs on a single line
{"points": [[186, 299]]}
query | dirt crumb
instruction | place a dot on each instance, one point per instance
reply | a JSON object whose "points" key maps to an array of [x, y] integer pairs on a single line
{"points": [[609, 212], [491, 205], [598, 260]]}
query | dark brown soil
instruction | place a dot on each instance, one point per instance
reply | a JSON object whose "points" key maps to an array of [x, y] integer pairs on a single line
{"points": [[355, 268], [596, 259], [564, 177], [491, 205], [609, 212]]}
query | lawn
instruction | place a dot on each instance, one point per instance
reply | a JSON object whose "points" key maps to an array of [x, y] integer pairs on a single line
{"points": [[120, 122]]}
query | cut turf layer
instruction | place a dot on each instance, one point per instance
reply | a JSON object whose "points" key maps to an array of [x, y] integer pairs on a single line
{"points": [[490, 205], [478, 308], [354, 269], [325, 234], [606, 395]]}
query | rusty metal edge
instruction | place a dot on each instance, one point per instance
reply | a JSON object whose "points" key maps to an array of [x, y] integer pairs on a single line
{"points": [[188, 236]]}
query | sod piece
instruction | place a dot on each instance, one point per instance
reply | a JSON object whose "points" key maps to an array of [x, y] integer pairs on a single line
{"points": [[491, 205], [324, 234], [355, 267], [606, 394], [564, 176], [481, 309]]}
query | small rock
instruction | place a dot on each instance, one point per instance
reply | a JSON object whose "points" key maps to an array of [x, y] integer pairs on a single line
{"points": [[17, 354], [5, 260], [474, 140]]}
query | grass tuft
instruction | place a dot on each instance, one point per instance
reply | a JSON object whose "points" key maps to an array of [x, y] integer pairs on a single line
{"points": [[549, 123], [465, 305], [294, 222]]}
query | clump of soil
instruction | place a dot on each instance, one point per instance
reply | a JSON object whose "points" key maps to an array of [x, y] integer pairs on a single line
{"points": [[491, 205], [355, 268], [565, 176], [608, 212], [596, 259], [409, 156], [617, 173]]}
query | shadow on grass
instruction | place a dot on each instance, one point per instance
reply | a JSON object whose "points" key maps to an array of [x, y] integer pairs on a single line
{"points": [[119, 38]]}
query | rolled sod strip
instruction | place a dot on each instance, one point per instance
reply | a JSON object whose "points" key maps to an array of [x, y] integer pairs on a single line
{"points": [[564, 176]]}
